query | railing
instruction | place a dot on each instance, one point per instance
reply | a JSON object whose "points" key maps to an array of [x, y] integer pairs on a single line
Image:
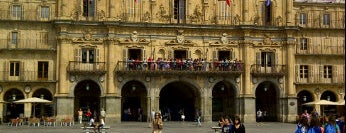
{"points": [[27, 76], [259, 69], [318, 78], [327, 50], [28, 44], [318, 23], [26, 15], [160, 67], [88, 67]]}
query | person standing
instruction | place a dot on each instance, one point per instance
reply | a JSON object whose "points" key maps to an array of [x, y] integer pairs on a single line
{"points": [[88, 114], [238, 127], [259, 115], [101, 124], [157, 123], [80, 115], [103, 113]]}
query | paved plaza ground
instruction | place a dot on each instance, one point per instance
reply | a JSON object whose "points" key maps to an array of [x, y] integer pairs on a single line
{"points": [[142, 127]]}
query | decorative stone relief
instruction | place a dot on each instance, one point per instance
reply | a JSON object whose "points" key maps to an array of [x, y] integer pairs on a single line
{"points": [[146, 17], [162, 14], [134, 36], [237, 19], [180, 36], [224, 38], [197, 14], [101, 15], [267, 41]]}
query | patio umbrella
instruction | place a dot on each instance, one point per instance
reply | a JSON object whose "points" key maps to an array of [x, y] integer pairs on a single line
{"points": [[342, 102], [33, 100], [322, 102]]}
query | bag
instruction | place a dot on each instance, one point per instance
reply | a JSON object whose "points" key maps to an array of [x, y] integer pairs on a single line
{"points": [[314, 130], [159, 126], [329, 128], [299, 129]]}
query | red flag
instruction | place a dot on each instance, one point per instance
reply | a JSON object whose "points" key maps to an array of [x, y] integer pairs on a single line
{"points": [[136, 1], [228, 2]]}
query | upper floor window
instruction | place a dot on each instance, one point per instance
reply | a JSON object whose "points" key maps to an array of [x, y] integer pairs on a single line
{"points": [[326, 19], [303, 71], [223, 11], [303, 18], [44, 11], [88, 8], [303, 43], [14, 37], [42, 72], [267, 59], [267, 13], [179, 10], [327, 71], [88, 55], [14, 68], [17, 11]]}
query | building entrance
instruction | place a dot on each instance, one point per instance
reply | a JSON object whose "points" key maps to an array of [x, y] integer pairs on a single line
{"points": [[134, 101], [179, 98], [87, 96], [267, 99]]}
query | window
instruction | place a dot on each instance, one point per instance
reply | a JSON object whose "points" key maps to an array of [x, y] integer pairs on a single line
{"points": [[303, 43], [88, 55], [223, 11], [88, 8], [17, 11], [303, 71], [44, 12], [326, 19], [303, 18], [327, 71], [267, 14], [14, 37], [42, 70], [179, 10], [267, 59], [14, 68]]}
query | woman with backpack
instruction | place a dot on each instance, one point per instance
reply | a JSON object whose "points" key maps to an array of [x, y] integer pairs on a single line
{"points": [[331, 126], [315, 125], [303, 125]]}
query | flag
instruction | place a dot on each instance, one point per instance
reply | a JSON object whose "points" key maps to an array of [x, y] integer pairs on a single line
{"points": [[267, 2], [228, 2], [135, 1]]}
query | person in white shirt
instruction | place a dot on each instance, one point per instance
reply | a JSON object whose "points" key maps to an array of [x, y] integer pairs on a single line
{"points": [[101, 124], [92, 122]]}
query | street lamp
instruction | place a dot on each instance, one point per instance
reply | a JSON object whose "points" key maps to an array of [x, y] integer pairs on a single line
{"points": [[42, 96], [222, 88], [304, 98], [87, 87], [328, 98], [265, 88], [133, 88], [14, 97]]}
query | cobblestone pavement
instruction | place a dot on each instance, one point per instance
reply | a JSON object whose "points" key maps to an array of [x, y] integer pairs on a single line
{"points": [[142, 127]]}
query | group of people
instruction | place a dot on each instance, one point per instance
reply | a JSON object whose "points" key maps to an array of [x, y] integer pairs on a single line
{"points": [[184, 64], [93, 119], [229, 126], [313, 123]]}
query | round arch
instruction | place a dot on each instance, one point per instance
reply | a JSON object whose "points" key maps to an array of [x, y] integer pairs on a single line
{"points": [[224, 96], [267, 100], [134, 101], [330, 96], [12, 110], [42, 109], [87, 95], [179, 97], [304, 96]]}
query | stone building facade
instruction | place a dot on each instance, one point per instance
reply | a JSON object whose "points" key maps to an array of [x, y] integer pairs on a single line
{"points": [[124, 56]]}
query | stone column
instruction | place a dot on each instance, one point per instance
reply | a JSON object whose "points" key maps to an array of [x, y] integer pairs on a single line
{"points": [[65, 107], [113, 108], [245, 12], [63, 61], [291, 90], [111, 89], [289, 9]]}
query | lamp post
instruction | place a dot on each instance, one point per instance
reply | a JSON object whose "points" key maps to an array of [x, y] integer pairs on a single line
{"points": [[304, 98]]}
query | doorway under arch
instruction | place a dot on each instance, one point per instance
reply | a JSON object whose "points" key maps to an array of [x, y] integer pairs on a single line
{"points": [[304, 97], [42, 109], [267, 100], [179, 98], [224, 100], [134, 101], [13, 110], [87, 96]]}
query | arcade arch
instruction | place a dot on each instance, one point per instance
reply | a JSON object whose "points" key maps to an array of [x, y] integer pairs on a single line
{"points": [[267, 99], [304, 97], [224, 100], [42, 109], [12, 110], [134, 101]]}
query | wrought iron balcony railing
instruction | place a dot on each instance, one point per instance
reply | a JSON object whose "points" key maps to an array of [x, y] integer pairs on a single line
{"points": [[166, 67], [268, 70], [86, 67], [40, 44], [27, 76]]}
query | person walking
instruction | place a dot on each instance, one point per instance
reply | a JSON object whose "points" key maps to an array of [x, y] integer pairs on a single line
{"points": [[259, 115], [157, 123], [80, 115]]}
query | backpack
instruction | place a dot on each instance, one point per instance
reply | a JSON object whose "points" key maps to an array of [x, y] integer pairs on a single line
{"points": [[314, 130], [299, 129], [329, 128]]}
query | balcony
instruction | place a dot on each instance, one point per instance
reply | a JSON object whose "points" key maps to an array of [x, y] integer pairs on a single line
{"points": [[28, 76], [321, 50], [171, 68], [30, 44], [320, 79], [266, 70], [77, 67]]}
